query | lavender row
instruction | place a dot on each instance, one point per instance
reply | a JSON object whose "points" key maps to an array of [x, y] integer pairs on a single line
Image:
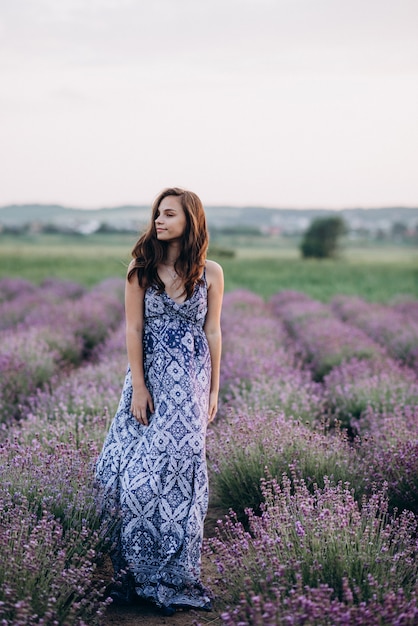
{"points": [[46, 476], [317, 558], [269, 407], [56, 333], [323, 340], [330, 497], [359, 374], [264, 386], [52, 537], [395, 328], [273, 421]]}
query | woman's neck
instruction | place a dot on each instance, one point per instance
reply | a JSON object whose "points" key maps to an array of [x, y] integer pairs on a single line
{"points": [[173, 253]]}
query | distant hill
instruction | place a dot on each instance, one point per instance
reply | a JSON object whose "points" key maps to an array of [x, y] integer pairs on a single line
{"points": [[288, 220], [50, 213]]}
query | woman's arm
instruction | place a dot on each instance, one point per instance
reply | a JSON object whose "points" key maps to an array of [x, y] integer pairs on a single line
{"points": [[212, 328], [134, 313]]}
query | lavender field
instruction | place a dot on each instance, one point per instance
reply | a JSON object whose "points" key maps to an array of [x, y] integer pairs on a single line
{"points": [[313, 457]]}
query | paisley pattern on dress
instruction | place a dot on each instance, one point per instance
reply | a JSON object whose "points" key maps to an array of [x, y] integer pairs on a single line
{"points": [[155, 476]]}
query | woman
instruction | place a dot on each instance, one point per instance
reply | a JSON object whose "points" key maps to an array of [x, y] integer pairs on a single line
{"points": [[153, 466]]}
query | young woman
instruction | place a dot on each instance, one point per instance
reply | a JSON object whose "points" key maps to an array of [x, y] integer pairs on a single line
{"points": [[152, 467]]}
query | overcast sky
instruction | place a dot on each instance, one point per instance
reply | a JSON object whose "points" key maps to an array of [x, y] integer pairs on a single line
{"points": [[281, 103]]}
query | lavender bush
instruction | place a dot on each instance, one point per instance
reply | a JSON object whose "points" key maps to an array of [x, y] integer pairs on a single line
{"points": [[57, 479], [54, 335], [353, 388], [322, 540], [51, 531], [407, 307], [317, 607], [46, 576], [12, 287], [26, 362], [390, 327], [51, 534], [263, 416], [249, 447], [320, 553], [389, 427], [89, 318], [394, 467], [255, 344], [398, 467], [22, 302], [320, 544], [62, 289], [95, 315], [79, 407], [322, 340], [259, 368]]}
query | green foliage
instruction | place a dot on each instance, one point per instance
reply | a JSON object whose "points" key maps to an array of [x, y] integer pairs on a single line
{"points": [[308, 456], [220, 252], [322, 279], [85, 260], [375, 273], [318, 537], [322, 238], [358, 543]]}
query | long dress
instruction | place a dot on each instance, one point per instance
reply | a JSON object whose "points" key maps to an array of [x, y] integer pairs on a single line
{"points": [[155, 476]]}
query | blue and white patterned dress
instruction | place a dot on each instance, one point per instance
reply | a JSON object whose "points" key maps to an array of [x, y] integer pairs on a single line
{"points": [[156, 475]]}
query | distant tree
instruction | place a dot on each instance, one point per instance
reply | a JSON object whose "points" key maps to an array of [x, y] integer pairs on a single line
{"points": [[399, 231], [51, 229], [105, 227], [321, 240]]}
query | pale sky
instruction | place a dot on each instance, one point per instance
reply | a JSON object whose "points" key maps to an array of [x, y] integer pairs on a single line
{"points": [[279, 103]]}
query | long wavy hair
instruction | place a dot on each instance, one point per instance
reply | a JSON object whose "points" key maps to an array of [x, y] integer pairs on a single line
{"points": [[149, 252]]}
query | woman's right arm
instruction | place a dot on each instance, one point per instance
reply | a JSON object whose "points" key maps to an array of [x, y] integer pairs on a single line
{"points": [[134, 313]]}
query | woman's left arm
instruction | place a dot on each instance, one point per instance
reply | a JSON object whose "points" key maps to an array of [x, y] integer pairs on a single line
{"points": [[212, 328]]}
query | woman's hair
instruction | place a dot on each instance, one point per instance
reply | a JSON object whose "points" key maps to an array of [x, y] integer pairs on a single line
{"points": [[149, 252]]}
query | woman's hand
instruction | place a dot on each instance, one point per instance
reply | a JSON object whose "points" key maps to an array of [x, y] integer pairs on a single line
{"points": [[213, 405], [141, 404]]}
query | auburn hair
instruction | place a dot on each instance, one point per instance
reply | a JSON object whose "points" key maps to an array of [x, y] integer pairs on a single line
{"points": [[149, 252]]}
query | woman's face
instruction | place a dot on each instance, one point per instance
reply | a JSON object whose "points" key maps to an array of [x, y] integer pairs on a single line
{"points": [[170, 222]]}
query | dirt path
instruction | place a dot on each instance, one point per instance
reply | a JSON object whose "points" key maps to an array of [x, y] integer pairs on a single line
{"points": [[146, 615]]}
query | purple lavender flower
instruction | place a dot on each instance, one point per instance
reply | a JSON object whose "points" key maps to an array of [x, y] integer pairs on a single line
{"points": [[356, 386], [347, 556], [322, 340], [396, 331]]}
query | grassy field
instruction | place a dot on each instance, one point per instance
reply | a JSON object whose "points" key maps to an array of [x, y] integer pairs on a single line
{"points": [[375, 272]]}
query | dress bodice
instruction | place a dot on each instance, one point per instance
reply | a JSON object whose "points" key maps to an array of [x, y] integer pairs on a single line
{"points": [[159, 306]]}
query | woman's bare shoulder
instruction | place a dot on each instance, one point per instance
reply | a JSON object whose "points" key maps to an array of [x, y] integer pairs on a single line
{"points": [[132, 282], [131, 266], [214, 273], [213, 267]]}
